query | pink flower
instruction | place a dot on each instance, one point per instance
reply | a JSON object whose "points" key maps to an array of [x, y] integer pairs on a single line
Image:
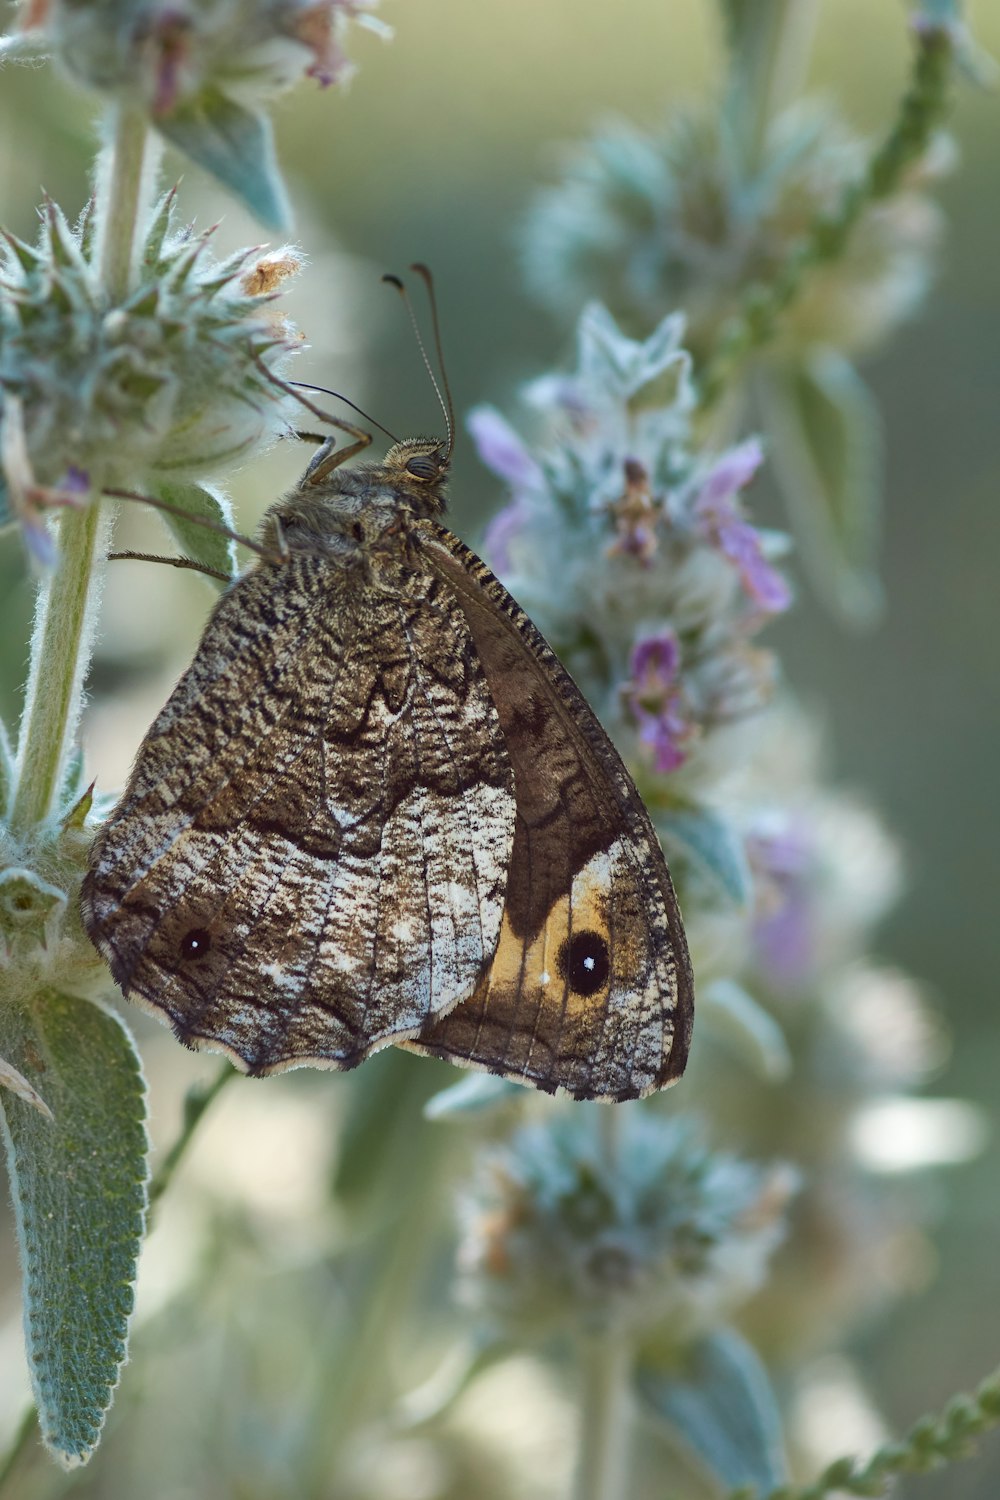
{"points": [[720, 521], [784, 934], [504, 529], [655, 696], [502, 450]]}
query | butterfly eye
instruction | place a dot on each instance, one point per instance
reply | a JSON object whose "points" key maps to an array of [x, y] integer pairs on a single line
{"points": [[584, 961], [196, 943], [423, 467]]}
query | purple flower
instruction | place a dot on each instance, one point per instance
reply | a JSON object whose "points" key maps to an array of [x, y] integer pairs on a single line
{"points": [[655, 696], [784, 933], [73, 488], [720, 521], [39, 541], [502, 450], [504, 529]]}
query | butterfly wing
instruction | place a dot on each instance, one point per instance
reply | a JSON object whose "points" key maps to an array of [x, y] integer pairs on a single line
{"points": [[310, 857], [590, 989]]}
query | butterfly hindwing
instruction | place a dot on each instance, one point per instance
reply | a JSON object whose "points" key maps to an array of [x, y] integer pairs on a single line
{"points": [[590, 989], [310, 858]]}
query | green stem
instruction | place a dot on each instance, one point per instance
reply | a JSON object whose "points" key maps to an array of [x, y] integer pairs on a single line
{"points": [[609, 1131], [20, 1442], [930, 1443], [128, 156], [66, 611], [60, 654], [195, 1104], [759, 318], [354, 1384], [602, 1459], [605, 1367]]}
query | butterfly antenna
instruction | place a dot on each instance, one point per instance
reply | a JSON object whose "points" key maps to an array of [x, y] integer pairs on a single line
{"points": [[445, 405], [302, 386], [425, 275], [363, 438]]}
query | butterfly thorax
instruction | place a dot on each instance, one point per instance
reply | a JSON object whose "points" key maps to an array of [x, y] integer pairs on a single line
{"points": [[350, 513]]}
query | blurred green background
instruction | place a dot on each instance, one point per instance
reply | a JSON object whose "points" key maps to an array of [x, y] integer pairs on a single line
{"points": [[434, 153]]}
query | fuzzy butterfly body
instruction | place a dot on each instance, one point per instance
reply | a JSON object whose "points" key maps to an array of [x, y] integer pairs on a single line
{"points": [[376, 809]]}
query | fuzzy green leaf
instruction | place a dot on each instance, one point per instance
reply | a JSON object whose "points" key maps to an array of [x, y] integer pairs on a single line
{"points": [[199, 543], [746, 1029], [433, 1400], [475, 1094], [712, 848], [236, 145], [827, 453], [719, 1409], [79, 1188]]}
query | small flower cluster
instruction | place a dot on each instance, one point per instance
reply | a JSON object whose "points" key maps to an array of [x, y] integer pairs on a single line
{"points": [[651, 222], [670, 1235], [675, 579], [181, 377], [663, 583]]}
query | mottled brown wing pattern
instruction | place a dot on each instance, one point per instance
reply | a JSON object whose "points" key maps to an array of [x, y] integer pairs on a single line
{"points": [[310, 858], [590, 989]]}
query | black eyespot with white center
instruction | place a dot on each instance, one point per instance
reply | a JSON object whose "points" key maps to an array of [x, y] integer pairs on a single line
{"points": [[196, 943], [585, 962]]}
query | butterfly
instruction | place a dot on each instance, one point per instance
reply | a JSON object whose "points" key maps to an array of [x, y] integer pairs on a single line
{"points": [[376, 809]]}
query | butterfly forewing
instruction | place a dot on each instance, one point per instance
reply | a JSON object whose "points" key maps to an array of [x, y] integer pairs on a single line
{"points": [[590, 989], [311, 856]]}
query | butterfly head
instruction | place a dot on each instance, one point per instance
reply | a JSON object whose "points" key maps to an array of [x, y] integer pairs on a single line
{"points": [[346, 512], [417, 470]]}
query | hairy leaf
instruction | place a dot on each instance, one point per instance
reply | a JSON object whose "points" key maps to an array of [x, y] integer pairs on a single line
{"points": [[747, 1029], [236, 145], [473, 1095], [827, 454], [719, 1409], [711, 846], [197, 542], [79, 1187]]}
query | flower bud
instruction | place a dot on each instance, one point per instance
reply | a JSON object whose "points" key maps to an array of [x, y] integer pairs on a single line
{"points": [[560, 1235], [179, 377]]}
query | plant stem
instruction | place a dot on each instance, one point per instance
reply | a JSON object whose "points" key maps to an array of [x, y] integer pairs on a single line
{"points": [[605, 1366], [931, 1443], [407, 1163], [19, 1444], [195, 1104], [759, 318], [66, 610], [60, 654], [602, 1460], [128, 154]]}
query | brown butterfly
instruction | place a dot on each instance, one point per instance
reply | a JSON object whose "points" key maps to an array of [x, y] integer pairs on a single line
{"points": [[376, 809]]}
